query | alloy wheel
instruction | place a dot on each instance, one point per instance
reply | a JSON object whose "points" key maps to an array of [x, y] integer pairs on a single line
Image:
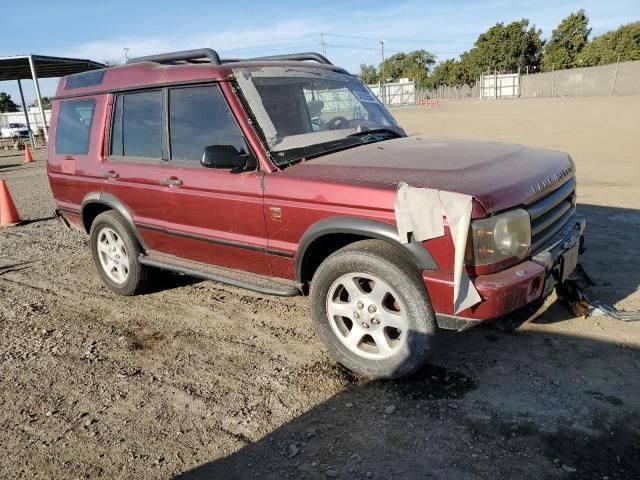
{"points": [[367, 315], [113, 255]]}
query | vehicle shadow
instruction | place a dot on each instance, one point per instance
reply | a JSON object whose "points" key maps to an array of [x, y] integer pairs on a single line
{"points": [[162, 280], [493, 405], [613, 253]]}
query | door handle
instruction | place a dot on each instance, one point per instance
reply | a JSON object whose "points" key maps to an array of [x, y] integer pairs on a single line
{"points": [[110, 174], [170, 182]]}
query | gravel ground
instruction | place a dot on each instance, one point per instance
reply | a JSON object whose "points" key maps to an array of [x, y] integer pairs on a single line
{"points": [[201, 380]]}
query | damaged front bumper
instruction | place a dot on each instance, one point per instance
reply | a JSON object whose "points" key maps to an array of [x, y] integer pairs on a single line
{"points": [[514, 288], [560, 256]]}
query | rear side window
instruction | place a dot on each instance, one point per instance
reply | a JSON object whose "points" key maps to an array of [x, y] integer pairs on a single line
{"points": [[199, 117], [74, 127], [84, 79], [137, 125]]}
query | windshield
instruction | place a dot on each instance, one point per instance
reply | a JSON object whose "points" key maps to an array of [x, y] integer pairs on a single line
{"points": [[305, 111]]}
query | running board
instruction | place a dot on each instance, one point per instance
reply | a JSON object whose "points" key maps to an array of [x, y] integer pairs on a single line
{"points": [[236, 278]]}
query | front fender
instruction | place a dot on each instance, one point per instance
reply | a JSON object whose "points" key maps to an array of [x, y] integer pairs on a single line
{"points": [[364, 227]]}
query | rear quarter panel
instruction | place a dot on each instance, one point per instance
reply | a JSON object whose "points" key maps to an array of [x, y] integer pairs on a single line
{"points": [[71, 177]]}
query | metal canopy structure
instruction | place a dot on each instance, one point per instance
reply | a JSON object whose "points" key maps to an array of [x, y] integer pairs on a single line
{"points": [[20, 67]]}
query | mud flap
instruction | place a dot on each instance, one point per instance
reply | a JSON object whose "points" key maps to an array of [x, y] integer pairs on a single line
{"points": [[571, 291]]}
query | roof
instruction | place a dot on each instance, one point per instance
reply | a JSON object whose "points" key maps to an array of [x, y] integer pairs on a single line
{"points": [[17, 67], [145, 74]]}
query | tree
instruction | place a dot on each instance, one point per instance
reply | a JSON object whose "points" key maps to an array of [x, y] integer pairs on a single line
{"points": [[46, 103], [445, 73], [368, 74], [505, 48], [604, 49], [566, 42], [6, 104], [418, 65], [415, 65], [393, 67]]}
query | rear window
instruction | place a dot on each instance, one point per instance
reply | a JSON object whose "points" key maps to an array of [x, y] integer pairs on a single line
{"points": [[74, 127]]}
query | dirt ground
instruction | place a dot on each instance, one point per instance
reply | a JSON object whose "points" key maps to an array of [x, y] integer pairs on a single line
{"points": [[201, 380]]}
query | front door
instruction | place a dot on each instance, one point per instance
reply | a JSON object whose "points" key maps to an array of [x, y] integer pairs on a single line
{"points": [[213, 216]]}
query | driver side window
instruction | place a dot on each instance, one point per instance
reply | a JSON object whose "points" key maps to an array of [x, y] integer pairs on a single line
{"points": [[200, 117]]}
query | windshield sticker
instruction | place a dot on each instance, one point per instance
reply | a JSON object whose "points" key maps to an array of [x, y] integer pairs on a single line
{"points": [[364, 96]]}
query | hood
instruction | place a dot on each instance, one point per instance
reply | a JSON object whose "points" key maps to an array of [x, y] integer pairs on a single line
{"points": [[498, 175]]}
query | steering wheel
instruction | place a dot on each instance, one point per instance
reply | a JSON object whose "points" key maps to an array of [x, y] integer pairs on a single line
{"points": [[335, 123]]}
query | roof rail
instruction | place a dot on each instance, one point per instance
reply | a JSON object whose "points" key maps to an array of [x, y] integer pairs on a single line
{"points": [[295, 57], [184, 55], [213, 57]]}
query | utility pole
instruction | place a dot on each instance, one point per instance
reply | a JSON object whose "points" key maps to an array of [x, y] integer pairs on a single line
{"points": [[324, 45], [382, 79], [126, 54]]}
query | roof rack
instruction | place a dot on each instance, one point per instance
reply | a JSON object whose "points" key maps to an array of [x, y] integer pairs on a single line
{"points": [[184, 55], [210, 55], [295, 57]]}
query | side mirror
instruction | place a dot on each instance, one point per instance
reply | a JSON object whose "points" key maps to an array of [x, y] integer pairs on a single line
{"points": [[226, 157]]}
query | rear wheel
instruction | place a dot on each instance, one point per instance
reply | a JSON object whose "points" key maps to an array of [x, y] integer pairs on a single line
{"points": [[115, 252], [372, 310]]}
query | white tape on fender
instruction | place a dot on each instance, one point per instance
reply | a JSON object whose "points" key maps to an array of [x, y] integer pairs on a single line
{"points": [[457, 208], [420, 211]]}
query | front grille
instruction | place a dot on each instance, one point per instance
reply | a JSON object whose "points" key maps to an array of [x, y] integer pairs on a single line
{"points": [[551, 213]]}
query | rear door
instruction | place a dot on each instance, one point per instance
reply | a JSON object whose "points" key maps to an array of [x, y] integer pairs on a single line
{"points": [[215, 216], [133, 166]]}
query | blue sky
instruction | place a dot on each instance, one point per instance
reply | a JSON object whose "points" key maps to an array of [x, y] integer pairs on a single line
{"points": [[100, 30]]}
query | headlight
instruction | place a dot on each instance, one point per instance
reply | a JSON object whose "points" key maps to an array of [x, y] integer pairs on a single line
{"points": [[500, 237]]}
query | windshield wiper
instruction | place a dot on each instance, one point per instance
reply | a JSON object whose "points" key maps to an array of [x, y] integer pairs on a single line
{"points": [[376, 131], [355, 139]]}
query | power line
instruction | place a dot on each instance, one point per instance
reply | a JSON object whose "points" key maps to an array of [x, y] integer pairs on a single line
{"points": [[246, 51], [399, 40], [348, 47]]}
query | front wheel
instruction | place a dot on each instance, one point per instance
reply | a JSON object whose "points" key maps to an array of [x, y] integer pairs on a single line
{"points": [[372, 310]]}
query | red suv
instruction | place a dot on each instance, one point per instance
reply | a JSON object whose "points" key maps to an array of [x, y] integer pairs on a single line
{"points": [[287, 176]]}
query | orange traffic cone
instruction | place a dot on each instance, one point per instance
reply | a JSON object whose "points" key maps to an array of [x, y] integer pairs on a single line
{"points": [[28, 158], [8, 213]]}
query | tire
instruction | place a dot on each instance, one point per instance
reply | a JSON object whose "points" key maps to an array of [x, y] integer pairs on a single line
{"points": [[115, 251], [397, 323]]}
